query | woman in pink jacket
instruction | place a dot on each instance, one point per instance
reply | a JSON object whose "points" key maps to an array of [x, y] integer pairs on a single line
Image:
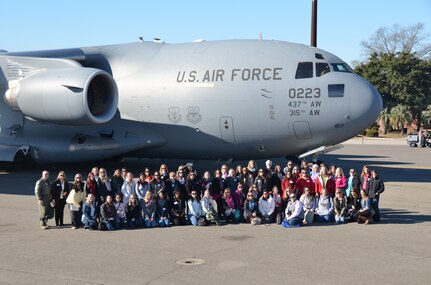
{"points": [[340, 180]]}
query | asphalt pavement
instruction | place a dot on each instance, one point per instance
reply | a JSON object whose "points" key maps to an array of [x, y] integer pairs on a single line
{"points": [[395, 251]]}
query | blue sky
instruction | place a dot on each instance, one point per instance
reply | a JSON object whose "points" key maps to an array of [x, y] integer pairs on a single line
{"points": [[342, 24]]}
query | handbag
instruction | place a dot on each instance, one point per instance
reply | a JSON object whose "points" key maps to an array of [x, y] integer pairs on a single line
{"points": [[50, 212], [256, 221]]}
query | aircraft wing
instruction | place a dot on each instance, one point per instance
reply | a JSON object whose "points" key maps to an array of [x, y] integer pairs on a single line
{"points": [[321, 150]]}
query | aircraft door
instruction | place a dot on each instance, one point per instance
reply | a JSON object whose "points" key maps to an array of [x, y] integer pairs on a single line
{"points": [[227, 130], [302, 130]]}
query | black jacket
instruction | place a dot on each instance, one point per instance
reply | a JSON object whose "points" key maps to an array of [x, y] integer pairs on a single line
{"points": [[56, 190]]}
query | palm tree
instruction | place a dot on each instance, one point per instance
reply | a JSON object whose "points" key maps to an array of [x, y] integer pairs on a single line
{"points": [[426, 116], [399, 116], [384, 119]]}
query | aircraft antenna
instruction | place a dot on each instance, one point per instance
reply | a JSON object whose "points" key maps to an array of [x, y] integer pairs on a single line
{"points": [[313, 23]]}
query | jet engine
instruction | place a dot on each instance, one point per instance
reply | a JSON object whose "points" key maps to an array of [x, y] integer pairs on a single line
{"points": [[70, 96]]}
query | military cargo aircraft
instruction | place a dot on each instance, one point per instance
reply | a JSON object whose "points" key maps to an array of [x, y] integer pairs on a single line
{"points": [[231, 99]]}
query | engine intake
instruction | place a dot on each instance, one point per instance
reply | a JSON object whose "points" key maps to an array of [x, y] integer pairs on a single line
{"points": [[71, 96]]}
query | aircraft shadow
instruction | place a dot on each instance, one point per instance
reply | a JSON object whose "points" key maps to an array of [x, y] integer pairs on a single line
{"points": [[401, 216], [388, 173]]}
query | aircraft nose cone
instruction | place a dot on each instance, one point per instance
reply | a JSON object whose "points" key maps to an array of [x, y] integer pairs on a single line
{"points": [[366, 102]]}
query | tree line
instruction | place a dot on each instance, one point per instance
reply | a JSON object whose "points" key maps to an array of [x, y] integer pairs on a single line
{"points": [[399, 66]]}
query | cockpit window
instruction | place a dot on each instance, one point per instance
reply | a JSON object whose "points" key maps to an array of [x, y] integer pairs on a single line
{"points": [[341, 67], [322, 68], [304, 70]]}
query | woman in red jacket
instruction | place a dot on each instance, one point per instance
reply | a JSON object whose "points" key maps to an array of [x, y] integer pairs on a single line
{"points": [[287, 182], [304, 181]]}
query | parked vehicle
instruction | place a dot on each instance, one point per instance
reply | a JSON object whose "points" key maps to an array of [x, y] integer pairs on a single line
{"points": [[413, 140]]}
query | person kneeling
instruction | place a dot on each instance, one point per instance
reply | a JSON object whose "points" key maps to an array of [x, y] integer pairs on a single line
{"points": [[325, 208], [133, 213], [250, 209], [294, 213], [162, 209], [109, 219], [89, 213], [209, 207], [194, 209], [149, 210]]}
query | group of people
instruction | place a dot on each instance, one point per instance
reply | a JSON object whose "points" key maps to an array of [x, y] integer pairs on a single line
{"points": [[291, 196]]}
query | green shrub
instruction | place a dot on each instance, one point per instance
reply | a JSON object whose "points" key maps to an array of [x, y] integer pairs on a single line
{"points": [[372, 133]]}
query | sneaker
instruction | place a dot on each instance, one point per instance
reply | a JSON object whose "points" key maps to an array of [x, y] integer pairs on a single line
{"points": [[74, 228], [43, 227]]}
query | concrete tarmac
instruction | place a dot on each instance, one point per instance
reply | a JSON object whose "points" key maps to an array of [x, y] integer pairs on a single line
{"points": [[395, 251]]}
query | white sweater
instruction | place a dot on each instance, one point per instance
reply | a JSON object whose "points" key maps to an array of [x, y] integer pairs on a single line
{"points": [[266, 207]]}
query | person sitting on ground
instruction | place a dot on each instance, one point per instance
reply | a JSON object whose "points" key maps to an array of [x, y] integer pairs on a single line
{"points": [[149, 210], [278, 203], [209, 208], [309, 205], [340, 206], [178, 209], [266, 207], [250, 208], [294, 213], [239, 196], [366, 212], [120, 207], [162, 208], [354, 204], [90, 213], [133, 213], [109, 218], [325, 207], [194, 209], [228, 207]]}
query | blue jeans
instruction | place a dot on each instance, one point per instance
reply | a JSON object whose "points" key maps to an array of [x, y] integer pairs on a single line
{"points": [[339, 219], [193, 220], [108, 225], [164, 223], [324, 218], [295, 221], [134, 224], [150, 224], [376, 216]]}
